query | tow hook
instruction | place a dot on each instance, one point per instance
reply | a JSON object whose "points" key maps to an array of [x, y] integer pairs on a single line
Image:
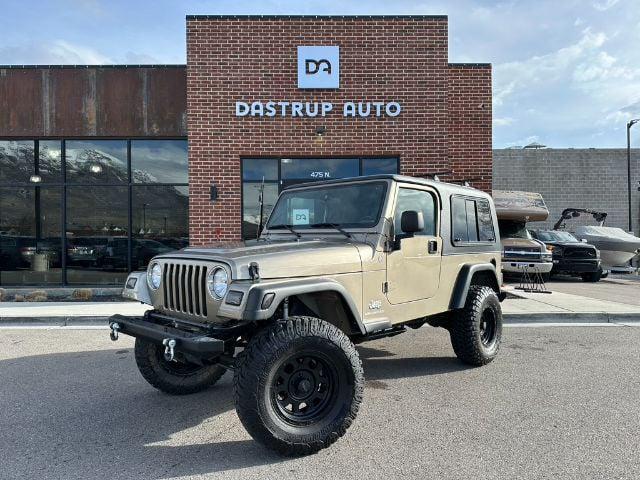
{"points": [[115, 328], [169, 346]]}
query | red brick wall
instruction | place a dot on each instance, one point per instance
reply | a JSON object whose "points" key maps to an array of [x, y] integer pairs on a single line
{"points": [[470, 117], [231, 59]]}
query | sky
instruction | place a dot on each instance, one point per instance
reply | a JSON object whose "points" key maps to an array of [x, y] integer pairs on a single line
{"points": [[566, 73]]}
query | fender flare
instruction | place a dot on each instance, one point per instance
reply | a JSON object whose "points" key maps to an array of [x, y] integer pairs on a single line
{"points": [[463, 282], [253, 310]]}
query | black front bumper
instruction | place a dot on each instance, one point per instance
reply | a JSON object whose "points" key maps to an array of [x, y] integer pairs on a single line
{"points": [[575, 266], [157, 328]]}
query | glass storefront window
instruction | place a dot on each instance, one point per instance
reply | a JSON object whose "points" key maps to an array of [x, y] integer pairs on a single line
{"points": [[251, 192], [30, 235], [16, 161], [96, 162], [50, 161], [379, 166], [160, 222], [259, 168], [297, 170], [97, 240], [159, 161], [285, 172], [99, 248]]}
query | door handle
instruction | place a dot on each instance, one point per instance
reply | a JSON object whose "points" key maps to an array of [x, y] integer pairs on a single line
{"points": [[433, 246]]}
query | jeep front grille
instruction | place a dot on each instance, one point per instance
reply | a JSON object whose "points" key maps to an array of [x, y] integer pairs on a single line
{"points": [[185, 288]]}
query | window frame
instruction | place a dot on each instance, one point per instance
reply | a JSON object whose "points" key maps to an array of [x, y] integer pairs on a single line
{"points": [[436, 206], [466, 243], [63, 184]]}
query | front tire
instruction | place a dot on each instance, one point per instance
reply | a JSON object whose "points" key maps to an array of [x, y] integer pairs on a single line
{"points": [[173, 377], [476, 332], [298, 385], [592, 277]]}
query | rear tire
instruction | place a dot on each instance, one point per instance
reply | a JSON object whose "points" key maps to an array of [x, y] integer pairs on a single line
{"points": [[298, 385], [476, 332], [592, 277], [175, 377]]}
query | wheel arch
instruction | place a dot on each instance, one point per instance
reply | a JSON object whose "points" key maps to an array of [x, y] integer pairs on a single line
{"points": [[325, 298], [474, 274]]}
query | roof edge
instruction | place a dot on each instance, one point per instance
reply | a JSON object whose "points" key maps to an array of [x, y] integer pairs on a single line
{"points": [[304, 17], [470, 65], [40, 66]]}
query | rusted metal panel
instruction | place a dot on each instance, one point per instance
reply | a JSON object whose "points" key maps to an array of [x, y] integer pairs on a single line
{"points": [[166, 102], [121, 101], [20, 102], [72, 102]]}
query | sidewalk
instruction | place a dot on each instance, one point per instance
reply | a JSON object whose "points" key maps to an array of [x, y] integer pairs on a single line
{"points": [[519, 308], [65, 313], [522, 307]]}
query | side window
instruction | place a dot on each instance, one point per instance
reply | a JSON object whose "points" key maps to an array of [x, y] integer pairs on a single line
{"points": [[485, 222], [459, 219], [471, 220], [420, 201]]}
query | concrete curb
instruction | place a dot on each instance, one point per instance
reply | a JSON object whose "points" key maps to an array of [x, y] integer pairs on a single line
{"points": [[571, 317], [80, 321], [519, 318]]}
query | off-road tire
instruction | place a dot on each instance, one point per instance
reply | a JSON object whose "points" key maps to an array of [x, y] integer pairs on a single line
{"points": [[175, 378], [258, 380], [466, 328], [592, 277]]}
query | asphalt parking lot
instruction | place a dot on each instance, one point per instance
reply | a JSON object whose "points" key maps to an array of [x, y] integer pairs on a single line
{"points": [[618, 288], [557, 403]]}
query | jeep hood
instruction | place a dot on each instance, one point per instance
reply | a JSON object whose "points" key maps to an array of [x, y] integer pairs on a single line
{"points": [[280, 259]]}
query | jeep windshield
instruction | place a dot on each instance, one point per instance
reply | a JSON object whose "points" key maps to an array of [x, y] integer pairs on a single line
{"points": [[356, 205]]}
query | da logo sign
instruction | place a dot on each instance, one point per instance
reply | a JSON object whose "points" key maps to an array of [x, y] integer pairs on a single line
{"points": [[318, 67]]}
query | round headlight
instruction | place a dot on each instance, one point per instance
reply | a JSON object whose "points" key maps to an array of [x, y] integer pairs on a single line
{"points": [[154, 275], [217, 282]]}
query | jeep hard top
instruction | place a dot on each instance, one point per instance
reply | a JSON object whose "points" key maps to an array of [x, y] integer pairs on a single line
{"points": [[339, 262]]}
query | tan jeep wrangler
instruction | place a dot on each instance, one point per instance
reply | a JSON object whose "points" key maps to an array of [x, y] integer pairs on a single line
{"points": [[338, 263]]}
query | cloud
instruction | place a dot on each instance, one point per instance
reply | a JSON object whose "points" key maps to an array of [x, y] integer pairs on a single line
{"points": [[502, 122], [57, 52], [604, 5]]}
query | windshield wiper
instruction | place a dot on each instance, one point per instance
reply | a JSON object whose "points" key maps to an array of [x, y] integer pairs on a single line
{"points": [[331, 225], [287, 226]]}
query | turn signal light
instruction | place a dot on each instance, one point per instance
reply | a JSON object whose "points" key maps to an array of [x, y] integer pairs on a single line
{"points": [[267, 300]]}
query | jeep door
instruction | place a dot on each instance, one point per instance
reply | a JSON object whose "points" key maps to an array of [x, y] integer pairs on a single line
{"points": [[413, 266]]}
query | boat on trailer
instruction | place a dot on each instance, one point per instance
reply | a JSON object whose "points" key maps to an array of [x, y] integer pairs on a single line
{"points": [[616, 246]]}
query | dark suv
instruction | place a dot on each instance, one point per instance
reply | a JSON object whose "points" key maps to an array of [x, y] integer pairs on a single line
{"points": [[571, 256]]}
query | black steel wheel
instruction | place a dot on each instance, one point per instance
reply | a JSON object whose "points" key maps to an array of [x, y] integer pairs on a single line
{"points": [[488, 327], [303, 387], [176, 377], [476, 330], [298, 385]]}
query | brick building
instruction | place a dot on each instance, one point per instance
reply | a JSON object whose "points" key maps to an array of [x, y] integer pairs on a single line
{"points": [[433, 116], [94, 171]]}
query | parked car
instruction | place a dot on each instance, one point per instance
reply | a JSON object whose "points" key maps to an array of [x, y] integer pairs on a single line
{"points": [[339, 262], [571, 256], [85, 251]]}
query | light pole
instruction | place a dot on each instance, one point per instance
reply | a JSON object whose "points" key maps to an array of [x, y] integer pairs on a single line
{"points": [[144, 216], [630, 124]]}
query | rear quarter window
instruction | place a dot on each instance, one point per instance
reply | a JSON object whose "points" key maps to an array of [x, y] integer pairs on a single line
{"points": [[471, 220]]}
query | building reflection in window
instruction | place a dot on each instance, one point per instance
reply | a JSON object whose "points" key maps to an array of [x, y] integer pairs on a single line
{"points": [[100, 249], [160, 222]]}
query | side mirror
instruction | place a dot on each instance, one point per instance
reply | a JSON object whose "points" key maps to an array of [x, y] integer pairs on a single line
{"points": [[411, 222]]}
